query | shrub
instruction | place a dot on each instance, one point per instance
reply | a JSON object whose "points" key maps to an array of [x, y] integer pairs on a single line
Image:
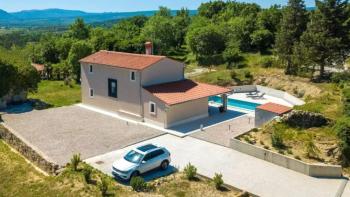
{"points": [[74, 162], [103, 186], [267, 62], [218, 182], [277, 139], [247, 74], [312, 150], [233, 74], [340, 77], [266, 147], [190, 171], [297, 157], [138, 184], [87, 171], [342, 128]]}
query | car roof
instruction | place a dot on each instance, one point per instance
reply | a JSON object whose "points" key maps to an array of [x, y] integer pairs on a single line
{"points": [[147, 148]]}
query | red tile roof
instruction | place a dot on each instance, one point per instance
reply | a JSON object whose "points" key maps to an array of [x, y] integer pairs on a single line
{"points": [[122, 60], [183, 91], [38, 67], [275, 108]]}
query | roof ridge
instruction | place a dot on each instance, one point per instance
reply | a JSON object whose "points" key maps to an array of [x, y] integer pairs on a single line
{"points": [[134, 54]]}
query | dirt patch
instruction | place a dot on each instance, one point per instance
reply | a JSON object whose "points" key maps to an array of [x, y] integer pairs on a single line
{"points": [[297, 86]]}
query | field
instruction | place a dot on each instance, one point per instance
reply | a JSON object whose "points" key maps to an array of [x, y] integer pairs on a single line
{"points": [[57, 94], [20, 178]]}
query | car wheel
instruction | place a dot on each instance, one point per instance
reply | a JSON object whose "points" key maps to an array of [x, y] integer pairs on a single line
{"points": [[164, 165], [134, 174]]}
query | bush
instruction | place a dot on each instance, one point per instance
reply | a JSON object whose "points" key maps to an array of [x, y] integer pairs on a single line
{"points": [[87, 171], [218, 182], [74, 162], [346, 100], [277, 139], [190, 171], [138, 184], [267, 62], [247, 74], [340, 77], [342, 128], [312, 150], [103, 186]]}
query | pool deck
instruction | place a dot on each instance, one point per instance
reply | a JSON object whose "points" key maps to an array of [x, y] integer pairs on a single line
{"points": [[265, 99]]}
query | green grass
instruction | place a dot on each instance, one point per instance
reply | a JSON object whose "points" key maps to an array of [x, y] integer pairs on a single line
{"points": [[19, 178], [57, 94]]}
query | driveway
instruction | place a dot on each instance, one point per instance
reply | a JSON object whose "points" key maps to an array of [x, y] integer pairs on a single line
{"points": [[239, 170], [59, 133]]}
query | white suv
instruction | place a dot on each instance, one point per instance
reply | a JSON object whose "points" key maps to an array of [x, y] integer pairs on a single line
{"points": [[140, 160]]}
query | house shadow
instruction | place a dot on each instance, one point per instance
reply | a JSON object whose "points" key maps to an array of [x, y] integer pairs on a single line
{"points": [[151, 175], [215, 117]]}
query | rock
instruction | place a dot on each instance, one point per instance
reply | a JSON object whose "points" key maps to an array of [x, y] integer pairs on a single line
{"points": [[304, 119]]}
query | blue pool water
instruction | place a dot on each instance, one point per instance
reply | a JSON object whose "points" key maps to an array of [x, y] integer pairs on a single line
{"points": [[235, 103]]}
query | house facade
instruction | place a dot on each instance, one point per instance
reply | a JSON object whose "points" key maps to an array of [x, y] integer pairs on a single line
{"points": [[144, 87]]}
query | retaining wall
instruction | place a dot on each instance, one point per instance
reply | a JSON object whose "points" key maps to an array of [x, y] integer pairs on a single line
{"points": [[315, 170], [27, 151]]}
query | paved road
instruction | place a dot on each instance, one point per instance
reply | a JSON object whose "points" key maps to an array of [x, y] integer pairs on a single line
{"points": [[61, 132], [240, 170]]}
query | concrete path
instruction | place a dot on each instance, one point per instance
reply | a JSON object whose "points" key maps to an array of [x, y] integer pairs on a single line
{"points": [[239, 170], [223, 132]]}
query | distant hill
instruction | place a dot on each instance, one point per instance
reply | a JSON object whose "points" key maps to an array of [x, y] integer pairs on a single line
{"points": [[60, 17]]}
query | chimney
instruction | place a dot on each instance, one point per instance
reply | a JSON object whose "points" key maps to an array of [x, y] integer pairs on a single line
{"points": [[149, 48]]}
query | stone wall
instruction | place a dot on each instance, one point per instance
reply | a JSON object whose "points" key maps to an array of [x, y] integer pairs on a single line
{"points": [[303, 119], [27, 151]]}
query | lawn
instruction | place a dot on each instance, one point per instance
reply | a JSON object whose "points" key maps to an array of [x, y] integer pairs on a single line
{"points": [[19, 178], [57, 94]]}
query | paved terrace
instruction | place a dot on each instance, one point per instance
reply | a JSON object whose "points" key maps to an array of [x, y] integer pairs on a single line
{"points": [[61, 132]]}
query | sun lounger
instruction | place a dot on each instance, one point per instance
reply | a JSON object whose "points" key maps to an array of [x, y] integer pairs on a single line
{"points": [[257, 96]]}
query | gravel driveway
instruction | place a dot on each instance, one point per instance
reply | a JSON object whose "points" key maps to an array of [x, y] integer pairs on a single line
{"points": [[61, 132]]}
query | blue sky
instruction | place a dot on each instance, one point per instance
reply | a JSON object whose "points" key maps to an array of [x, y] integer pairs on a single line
{"points": [[116, 5]]}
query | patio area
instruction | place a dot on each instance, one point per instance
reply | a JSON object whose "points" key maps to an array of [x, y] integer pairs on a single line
{"points": [[214, 120]]}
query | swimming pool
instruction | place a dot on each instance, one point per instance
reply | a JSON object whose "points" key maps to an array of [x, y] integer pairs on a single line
{"points": [[235, 103]]}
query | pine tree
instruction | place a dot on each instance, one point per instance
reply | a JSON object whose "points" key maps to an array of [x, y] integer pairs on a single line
{"points": [[292, 26], [325, 43]]}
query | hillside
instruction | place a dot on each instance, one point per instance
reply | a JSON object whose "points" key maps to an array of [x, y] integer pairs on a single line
{"points": [[59, 17]]}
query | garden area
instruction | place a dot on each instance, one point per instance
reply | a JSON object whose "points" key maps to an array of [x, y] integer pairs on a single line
{"points": [[20, 178], [317, 132]]}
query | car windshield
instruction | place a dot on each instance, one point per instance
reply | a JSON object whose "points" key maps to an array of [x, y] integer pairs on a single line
{"points": [[133, 157]]}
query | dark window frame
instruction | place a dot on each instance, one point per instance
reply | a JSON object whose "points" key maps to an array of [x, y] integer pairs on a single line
{"points": [[110, 94], [91, 70], [132, 76]]}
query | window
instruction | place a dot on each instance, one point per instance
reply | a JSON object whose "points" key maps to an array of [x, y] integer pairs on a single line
{"points": [[112, 88], [153, 155], [91, 93], [90, 69], [132, 76], [152, 108]]}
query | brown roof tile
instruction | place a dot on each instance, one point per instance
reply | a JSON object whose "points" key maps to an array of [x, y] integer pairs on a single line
{"points": [[122, 60], [275, 108], [183, 91]]}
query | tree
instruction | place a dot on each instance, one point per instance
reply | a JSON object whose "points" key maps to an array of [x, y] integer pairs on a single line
{"points": [[207, 43], [49, 51], [270, 18], [78, 51], [232, 54], [325, 43], [181, 22], [78, 30], [292, 26], [164, 11], [210, 9], [262, 39], [161, 31], [7, 73]]}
